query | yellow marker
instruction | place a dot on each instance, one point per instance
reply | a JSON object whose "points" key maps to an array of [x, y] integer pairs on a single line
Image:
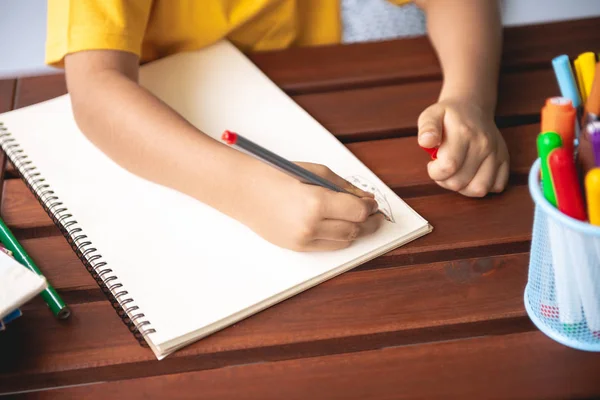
{"points": [[587, 63], [579, 76], [592, 192]]}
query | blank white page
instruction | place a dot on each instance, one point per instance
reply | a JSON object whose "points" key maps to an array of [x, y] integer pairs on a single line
{"points": [[172, 253]]}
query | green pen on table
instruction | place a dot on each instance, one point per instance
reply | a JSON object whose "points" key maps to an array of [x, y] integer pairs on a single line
{"points": [[52, 299]]}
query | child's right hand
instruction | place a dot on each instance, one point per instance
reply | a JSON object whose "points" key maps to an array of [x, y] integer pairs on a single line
{"points": [[303, 217]]}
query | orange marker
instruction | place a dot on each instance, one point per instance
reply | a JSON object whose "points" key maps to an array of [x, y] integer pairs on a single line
{"points": [[558, 115], [592, 113]]}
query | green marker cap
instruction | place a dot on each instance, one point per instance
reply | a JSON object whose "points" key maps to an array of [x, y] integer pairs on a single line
{"points": [[546, 142]]}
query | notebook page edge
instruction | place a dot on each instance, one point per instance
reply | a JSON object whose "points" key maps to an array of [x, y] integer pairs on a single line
{"points": [[169, 347]]}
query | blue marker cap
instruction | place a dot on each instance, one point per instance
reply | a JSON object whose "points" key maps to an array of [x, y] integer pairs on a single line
{"points": [[566, 79]]}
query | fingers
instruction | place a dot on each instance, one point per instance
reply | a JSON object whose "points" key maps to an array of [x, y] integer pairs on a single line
{"points": [[482, 181], [337, 235], [344, 231], [345, 207], [450, 158], [431, 126], [334, 178], [501, 178], [474, 164]]}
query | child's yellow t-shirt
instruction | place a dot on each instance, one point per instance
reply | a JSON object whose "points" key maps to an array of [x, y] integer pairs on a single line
{"points": [[156, 28]]}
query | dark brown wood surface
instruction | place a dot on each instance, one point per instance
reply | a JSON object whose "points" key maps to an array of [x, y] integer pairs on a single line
{"points": [[440, 317]]}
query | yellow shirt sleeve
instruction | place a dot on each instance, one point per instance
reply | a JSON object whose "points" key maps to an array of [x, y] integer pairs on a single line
{"points": [[76, 25]]}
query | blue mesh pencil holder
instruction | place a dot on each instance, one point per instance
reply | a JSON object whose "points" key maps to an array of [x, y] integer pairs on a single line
{"points": [[562, 296]]}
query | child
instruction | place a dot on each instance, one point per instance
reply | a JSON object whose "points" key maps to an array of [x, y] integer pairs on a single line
{"points": [[101, 44]]}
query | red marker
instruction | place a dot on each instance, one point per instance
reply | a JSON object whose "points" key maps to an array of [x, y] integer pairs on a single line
{"points": [[432, 151], [566, 185]]}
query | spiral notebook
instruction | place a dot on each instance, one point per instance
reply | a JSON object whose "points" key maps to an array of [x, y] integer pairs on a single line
{"points": [[166, 260]]}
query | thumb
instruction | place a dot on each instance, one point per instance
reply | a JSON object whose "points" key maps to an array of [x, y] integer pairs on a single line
{"points": [[431, 126]]}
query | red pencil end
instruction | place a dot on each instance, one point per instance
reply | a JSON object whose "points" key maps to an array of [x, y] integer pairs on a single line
{"points": [[229, 137], [432, 151]]}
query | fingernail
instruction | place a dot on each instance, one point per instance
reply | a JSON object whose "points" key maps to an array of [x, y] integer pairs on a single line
{"points": [[427, 136]]}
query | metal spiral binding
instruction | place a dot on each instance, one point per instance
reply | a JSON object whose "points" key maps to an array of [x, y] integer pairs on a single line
{"points": [[129, 313]]}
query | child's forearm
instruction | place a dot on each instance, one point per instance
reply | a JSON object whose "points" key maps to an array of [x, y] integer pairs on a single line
{"points": [[467, 36], [148, 138]]}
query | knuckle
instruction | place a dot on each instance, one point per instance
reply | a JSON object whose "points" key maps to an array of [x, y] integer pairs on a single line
{"points": [[314, 205], [485, 143], [362, 212], [464, 130], [305, 232], [454, 184], [478, 190], [449, 166]]}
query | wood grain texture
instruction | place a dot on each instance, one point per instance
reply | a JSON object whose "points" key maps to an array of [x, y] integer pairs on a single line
{"points": [[7, 93], [517, 366], [20, 209], [409, 60], [376, 112], [35, 89], [355, 311], [391, 111]]}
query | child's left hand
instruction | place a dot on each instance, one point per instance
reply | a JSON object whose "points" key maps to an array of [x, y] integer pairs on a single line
{"points": [[472, 158]]}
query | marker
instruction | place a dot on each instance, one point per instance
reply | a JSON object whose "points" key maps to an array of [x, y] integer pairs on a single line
{"points": [[432, 151], [558, 115], [284, 165], [587, 64], [592, 106], [565, 182], [579, 76], [592, 298], [546, 142], [592, 191], [50, 296], [585, 155], [566, 80], [593, 131]]}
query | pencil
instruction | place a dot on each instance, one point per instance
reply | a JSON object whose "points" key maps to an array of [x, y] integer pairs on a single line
{"points": [[50, 296], [284, 165]]}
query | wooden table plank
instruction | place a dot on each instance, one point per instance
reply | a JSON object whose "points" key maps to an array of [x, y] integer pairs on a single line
{"points": [[391, 111], [356, 311], [377, 112], [20, 209], [409, 60], [35, 89], [517, 366], [7, 92]]}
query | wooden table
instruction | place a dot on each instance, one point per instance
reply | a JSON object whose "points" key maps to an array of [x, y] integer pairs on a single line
{"points": [[440, 317]]}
